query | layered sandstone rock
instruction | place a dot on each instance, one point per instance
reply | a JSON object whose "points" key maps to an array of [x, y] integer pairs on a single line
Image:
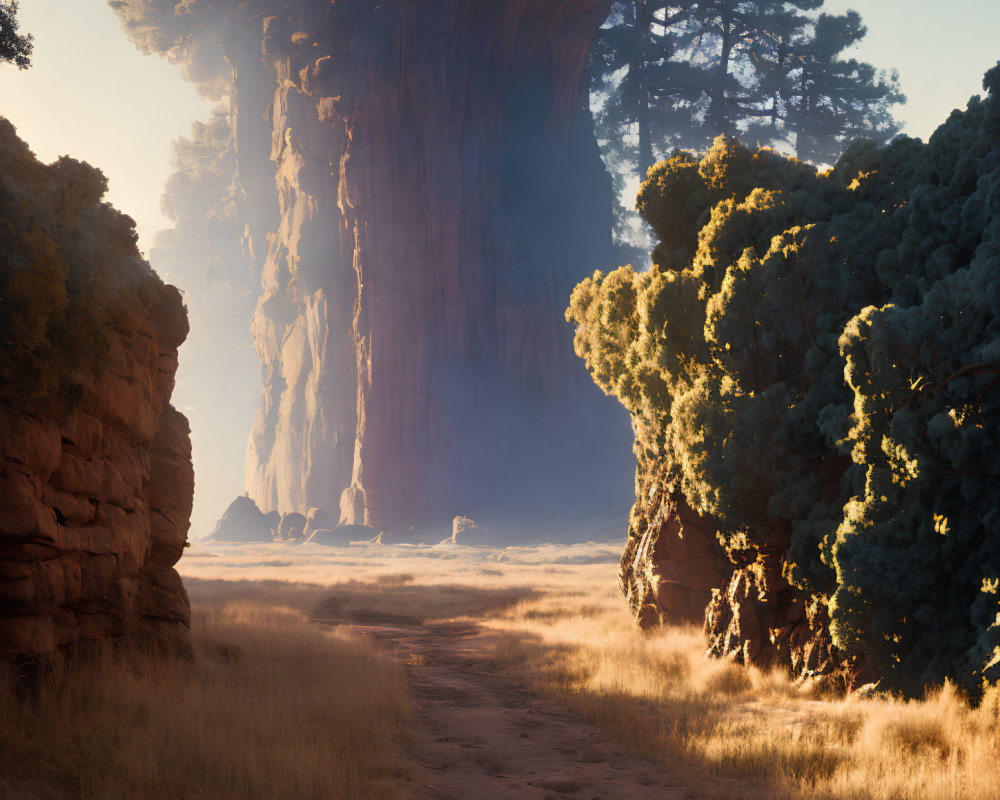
{"points": [[673, 570], [439, 191], [672, 561], [96, 500], [96, 479]]}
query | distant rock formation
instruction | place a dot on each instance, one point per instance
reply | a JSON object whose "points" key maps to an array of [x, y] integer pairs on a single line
{"points": [[96, 479], [292, 526], [422, 188], [244, 522], [319, 519]]}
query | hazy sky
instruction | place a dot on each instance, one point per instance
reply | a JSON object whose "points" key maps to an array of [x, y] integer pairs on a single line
{"points": [[91, 95], [940, 49]]}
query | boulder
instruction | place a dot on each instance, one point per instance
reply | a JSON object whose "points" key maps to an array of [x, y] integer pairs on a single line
{"points": [[319, 519], [292, 526], [342, 535], [243, 522]]}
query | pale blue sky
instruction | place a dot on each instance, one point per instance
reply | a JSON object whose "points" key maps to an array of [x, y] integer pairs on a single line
{"points": [[941, 49]]}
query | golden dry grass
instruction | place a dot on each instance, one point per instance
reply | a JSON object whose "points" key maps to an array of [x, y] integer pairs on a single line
{"points": [[554, 622], [731, 731], [272, 707], [723, 730]]}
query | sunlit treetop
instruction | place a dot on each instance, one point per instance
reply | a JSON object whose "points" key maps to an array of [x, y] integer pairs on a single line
{"points": [[819, 352]]}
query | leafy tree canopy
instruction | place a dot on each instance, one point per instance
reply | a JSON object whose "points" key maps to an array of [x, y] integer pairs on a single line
{"points": [[795, 318], [72, 280]]}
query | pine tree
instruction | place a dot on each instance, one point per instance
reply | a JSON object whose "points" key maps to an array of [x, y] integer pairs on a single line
{"points": [[768, 72], [645, 99], [831, 101]]}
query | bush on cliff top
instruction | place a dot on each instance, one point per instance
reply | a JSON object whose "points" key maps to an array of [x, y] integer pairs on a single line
{"points": [[792, 319], [71, 276]]}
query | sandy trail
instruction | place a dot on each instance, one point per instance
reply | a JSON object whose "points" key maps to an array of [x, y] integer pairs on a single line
{"points": [[477, 737]]}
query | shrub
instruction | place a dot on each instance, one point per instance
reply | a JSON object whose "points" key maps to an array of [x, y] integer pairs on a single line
{"points": [[792, 318]]}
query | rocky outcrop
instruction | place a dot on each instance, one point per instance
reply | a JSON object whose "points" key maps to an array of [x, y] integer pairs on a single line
{"points": [[318, 519], [674, 570], [243, 521], [96, 479], [757, 618], [292, 526], [672, 562], [439, 191]]}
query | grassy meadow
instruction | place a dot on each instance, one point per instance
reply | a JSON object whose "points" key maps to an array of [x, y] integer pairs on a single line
{"points": [[277, 705], [272, 707]]}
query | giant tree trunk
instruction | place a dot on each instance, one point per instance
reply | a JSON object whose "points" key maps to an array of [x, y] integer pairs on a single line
{"points": [[439, 192]]}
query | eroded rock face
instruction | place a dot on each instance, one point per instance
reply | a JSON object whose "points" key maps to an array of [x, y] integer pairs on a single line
{"points": [[439, 191], [673, 570], [672, 561], [96, 479], [96, 501], [757, 618]]}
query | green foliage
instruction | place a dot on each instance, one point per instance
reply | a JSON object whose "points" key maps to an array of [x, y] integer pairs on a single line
{"points": [[15, 48], [821, 352], [769, 72], [71, 277]]}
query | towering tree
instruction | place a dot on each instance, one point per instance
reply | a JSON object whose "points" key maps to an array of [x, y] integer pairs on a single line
{"points": [[635, 76], [830, 100], [769, 72]]}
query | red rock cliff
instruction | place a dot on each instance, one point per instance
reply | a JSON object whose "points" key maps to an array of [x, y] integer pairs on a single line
{"points": [[438, 191], [96, 479]]}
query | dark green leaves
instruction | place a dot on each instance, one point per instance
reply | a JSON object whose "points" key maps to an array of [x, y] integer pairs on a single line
{"points": [[820, 353]]}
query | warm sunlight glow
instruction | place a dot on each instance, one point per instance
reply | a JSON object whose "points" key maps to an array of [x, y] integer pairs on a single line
{"points": [[484, 399]]}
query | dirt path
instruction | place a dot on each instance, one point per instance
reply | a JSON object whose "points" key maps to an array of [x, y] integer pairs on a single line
{"points": [[478, 738]]}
